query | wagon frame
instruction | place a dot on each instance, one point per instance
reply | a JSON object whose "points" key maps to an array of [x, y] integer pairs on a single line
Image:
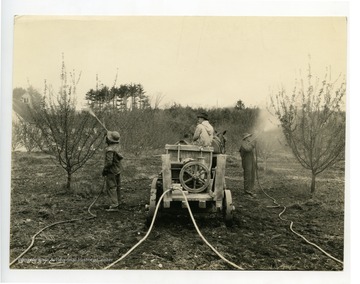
{"points": [[197, 172]]}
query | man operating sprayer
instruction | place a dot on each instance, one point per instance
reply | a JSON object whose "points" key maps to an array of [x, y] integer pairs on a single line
{"points": [[112, 165], [247, 153], [111, 170], [204, 132]]}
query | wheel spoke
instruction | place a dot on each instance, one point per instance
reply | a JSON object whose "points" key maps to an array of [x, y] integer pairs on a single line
{"points": [[190, 179], [189, 173]]}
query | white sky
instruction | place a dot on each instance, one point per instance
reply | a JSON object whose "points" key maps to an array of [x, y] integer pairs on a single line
{"points": [[197, 61]]}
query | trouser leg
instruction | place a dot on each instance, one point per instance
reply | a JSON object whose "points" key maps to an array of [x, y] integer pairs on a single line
{"points": [[111, 190], [248, 183], [118, 187], [249, 176], [252, 180]]}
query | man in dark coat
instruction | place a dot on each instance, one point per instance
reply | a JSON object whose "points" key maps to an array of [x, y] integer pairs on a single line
{"points": [[112, 168], [247, 153]]}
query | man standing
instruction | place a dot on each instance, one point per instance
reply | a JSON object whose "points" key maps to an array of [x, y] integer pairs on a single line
{"points": [[247, 153], [204, 132], [111, 170]]}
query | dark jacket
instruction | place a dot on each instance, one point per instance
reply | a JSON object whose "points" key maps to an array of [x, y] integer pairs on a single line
{"points": [[247, 154], [113, 159]]}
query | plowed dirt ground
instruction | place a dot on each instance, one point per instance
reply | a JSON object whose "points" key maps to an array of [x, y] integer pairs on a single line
{"points": [[258, 240]]}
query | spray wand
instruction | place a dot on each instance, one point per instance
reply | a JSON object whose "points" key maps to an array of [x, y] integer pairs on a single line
{"points": [[90, 111]]}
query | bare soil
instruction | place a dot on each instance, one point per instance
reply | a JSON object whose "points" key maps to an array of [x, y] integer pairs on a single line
{"points": [[258, 240]]}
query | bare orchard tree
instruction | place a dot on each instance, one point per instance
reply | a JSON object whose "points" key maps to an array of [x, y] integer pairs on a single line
{"points": [[313, 122], [28, 134], [72, 137], [16, 135]]}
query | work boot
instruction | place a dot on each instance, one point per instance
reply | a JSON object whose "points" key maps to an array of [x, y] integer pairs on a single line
{"points": [[250, 194]]}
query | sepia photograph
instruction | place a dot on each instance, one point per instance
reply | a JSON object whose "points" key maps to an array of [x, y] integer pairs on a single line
{"points": [[178, 142]]}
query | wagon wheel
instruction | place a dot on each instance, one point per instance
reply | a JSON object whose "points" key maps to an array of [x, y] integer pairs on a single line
{"points": [[194, 177], [155, 193], [228, 208]]}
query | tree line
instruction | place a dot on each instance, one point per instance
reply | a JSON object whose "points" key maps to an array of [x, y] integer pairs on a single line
{"points": [[124, 97], [142, 129]]}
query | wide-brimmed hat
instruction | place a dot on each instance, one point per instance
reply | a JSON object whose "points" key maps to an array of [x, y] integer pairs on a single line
{"points": [[203, 115], [113, 136], [246, 135]]}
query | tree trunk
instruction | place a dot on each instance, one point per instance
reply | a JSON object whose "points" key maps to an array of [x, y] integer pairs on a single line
{"points": [[313, 177], [68, 182]]}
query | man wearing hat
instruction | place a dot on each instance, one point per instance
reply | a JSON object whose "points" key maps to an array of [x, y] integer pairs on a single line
{"points": [[204, 132], [111, 169], [247, 153]]}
